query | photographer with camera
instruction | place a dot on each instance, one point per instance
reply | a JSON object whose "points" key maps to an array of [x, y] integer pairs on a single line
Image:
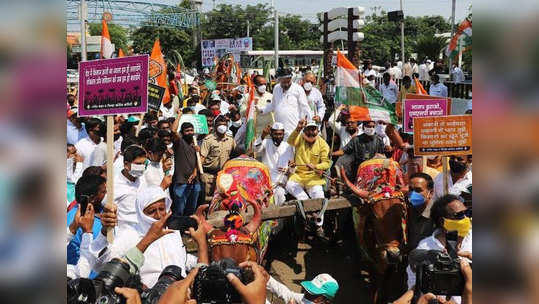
{"points": [[157, 245], [449, 215], [250, 293]]}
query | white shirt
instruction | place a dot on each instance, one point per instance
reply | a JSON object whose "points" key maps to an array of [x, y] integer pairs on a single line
{"points": [[275, 157], [439, 183], [390, 92], [118, 145], [125, 193], [118, 164], [99, 155], [262, 120], [154, 174], [432, 243], [283, 292], [316, 103], [423, 72], [341, 130], [458, 75], [438, 89], [168, 113], [395, 72], [85, 147], [73, 175], [289, 107]]}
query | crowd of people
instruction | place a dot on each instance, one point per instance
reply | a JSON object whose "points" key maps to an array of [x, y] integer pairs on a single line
{"points": [[299, 137]]}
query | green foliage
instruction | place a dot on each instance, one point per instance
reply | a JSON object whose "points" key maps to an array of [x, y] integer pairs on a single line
{"points": [[428, 45], [118, 34], [171, 39], [382, 37]]}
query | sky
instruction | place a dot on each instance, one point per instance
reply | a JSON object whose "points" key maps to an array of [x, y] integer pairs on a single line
{"points": [[309, 8]]}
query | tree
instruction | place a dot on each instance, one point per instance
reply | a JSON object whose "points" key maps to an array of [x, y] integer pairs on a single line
{"points": [[430, 46], [171, 39], [118, 34], [382, 37]]}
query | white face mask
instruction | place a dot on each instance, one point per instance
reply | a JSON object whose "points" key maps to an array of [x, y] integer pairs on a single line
{"points": [[137, 170], [261, 89], [236, 124], [381, 129], [169, 146], [431, 157], [308, 86], [222, 129], [369, 131]]}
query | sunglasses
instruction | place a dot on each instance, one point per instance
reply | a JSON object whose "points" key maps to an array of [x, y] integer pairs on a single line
{"points": [[462, 214]]}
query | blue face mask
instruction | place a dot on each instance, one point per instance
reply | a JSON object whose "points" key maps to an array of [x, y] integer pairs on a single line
{"points": [[416, 199]]}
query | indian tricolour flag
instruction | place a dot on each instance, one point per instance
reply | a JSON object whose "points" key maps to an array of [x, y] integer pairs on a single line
{"points": [[106, 45], [366, 103], [464, 32], [251, 112]]}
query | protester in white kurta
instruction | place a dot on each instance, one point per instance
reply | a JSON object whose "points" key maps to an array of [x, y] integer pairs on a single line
{"points": [[346, 132], [289, 104], [276, 154], [314, 96], [167, 250]]}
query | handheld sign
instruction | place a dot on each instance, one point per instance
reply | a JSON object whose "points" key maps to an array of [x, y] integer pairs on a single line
{"points": [[155, 96], [443, 135], [199, 122], [109, 87], [422, 108], [113, 86]]}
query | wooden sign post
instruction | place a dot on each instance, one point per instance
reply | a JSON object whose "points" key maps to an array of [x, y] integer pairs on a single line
{"points": [[111, 87]]}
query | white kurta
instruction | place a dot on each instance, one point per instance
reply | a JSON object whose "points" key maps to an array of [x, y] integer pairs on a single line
{"points": [[275, 157], [289, 107], [125, 193], [316, 103], [85, 147]]}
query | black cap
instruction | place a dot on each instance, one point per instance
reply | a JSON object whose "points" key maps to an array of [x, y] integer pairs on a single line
{"points": [[284, 73]]}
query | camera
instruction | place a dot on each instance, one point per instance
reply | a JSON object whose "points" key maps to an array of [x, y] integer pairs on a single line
{"points": [[212, 286], [437, 272], [169, 275], [101, 289]]}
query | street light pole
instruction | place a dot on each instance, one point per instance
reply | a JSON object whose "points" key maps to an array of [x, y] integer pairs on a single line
{"points": [[247, 28], [452, 33], [83, 30], [402, 37], [276, 39]]}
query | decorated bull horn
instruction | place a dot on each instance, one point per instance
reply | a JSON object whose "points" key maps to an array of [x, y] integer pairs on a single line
{"points": [[257, 218], [354, 188], [200, 214]]}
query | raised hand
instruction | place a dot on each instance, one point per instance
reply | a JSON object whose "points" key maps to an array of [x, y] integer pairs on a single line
{"points": [[86, 222]]}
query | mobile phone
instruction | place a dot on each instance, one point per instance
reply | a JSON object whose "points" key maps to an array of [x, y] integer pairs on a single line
{"points": [[181, 223]]}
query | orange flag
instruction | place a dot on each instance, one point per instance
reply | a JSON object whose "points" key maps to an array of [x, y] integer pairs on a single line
{"points": [[158, 69], [121, 53], [106, 45], [419, 87]]}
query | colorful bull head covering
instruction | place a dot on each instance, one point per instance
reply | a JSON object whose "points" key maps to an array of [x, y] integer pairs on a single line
{"points": [[380, 176], [242, 179]]}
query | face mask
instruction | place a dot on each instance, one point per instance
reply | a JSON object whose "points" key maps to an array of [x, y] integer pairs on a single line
{"points": [[137, 170], [369, 131], [381, 130], [457, 167], [431, 157], [261, 89], [462, 226], [416, 199], [222, 129], [169, 146], [236, 124], [308, 86], [216, 113], [277, 142]]}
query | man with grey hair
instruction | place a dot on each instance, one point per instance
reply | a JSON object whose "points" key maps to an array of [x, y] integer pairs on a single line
{"points": [[289, 102], [314, 96]]}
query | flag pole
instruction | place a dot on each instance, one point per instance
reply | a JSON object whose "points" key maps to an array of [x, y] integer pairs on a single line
{"points": [[110, 173]]}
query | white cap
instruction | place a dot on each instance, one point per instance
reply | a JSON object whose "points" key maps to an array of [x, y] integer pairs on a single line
{"points": [[370, 73], [311, 123], [277, 126]]}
